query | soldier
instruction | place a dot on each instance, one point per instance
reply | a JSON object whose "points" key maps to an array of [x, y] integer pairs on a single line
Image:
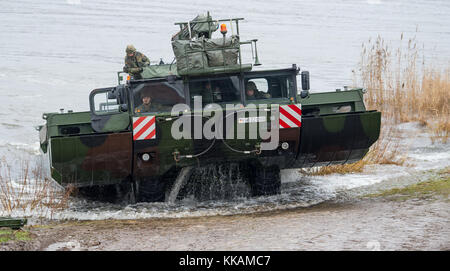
{"points": [[253, 93], [207, 93], [134, 62], [148, 105]]}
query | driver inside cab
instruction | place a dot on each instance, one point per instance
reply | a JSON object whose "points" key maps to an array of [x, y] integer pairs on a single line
{"points": [[253, 93], [147, 104]]}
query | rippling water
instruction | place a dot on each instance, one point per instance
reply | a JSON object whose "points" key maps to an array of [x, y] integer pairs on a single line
{"points": [[54, 52]]}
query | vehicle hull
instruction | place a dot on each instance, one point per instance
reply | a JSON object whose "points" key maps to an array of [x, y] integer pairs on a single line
{"points": [[110, 158]]}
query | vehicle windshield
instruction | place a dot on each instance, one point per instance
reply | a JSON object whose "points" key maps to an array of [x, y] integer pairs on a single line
{"points": [[157, 97], [216, 90]]}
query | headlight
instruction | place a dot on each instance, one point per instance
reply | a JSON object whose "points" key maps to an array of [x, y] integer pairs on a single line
{"points": [[145, 157]]}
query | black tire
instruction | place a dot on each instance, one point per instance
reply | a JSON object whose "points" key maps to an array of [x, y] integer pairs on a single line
{"points": [[265, 181], [151, 190], [114, 193]]}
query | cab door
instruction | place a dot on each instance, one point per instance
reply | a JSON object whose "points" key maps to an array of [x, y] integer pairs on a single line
{"points": [[105, 154], [277, 88]]}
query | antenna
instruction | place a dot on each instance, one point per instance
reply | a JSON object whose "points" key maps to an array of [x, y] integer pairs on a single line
{"points": [[257, 63]]}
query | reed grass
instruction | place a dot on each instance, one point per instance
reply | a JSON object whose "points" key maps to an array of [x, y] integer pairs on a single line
{"points": [[30, 191], [404, 89]]}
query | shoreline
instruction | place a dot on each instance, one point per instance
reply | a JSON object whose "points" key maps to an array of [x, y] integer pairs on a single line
{"points": [[411, 218]]}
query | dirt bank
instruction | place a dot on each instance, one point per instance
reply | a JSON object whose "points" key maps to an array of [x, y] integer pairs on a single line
{"points": [[415, 217]]}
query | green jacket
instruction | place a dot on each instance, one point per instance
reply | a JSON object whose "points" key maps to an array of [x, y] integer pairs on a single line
{"points": [[134, 64], [258, 95], [152, 107]]}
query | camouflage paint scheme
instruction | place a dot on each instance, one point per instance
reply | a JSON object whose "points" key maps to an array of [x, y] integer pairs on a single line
{"points": [[86, 149]]}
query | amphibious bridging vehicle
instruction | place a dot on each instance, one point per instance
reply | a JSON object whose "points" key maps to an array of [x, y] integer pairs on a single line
{"points": [[116, 148]]}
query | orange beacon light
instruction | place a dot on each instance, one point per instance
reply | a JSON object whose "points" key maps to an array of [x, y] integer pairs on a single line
{"points": [[223, 29]]}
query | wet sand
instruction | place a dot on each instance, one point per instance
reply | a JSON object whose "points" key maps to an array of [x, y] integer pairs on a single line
{"points": [[368, 224]]}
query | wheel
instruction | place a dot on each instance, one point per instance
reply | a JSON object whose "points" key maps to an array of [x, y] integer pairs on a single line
{"points": [[265, 180], [113, 193], [151, 189]]}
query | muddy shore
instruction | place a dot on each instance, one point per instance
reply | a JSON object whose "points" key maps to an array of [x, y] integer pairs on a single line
{"points": [[376, 223]]}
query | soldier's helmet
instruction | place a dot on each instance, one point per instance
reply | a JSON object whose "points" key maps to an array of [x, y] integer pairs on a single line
{"points": [[130, 49], [251, 86], [146, 94]]}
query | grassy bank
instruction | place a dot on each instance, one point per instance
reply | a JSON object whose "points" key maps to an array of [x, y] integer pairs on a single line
{"points": [[7, 234], [438, 185]]}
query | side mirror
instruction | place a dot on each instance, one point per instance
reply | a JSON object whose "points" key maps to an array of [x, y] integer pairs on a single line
{"points": [[305, 84], [305, 80], [112, 94]]}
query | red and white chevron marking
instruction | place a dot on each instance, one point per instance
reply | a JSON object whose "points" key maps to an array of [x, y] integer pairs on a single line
{"points": [[144, 128], [290, 116]]}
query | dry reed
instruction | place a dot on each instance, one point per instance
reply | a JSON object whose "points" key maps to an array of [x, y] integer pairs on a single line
{"points": [[404, 89], [30, 192], [404, 92]]}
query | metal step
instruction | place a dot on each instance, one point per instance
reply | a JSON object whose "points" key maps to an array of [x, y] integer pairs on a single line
{"points": [[11, 222]]}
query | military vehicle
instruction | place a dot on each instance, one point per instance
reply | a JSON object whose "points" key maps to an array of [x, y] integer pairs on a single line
{"points": [[117, 148]]}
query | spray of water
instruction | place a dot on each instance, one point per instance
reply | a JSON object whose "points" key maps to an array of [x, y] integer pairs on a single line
{"points": [[216, 182]]}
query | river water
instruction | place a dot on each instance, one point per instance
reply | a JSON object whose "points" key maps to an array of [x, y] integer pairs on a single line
{"points": [[54, 52]]}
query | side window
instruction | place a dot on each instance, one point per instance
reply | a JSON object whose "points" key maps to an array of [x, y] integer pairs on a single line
{"points": [[217, 90], [157, 97], [267, 87], [261, 84], [104, 104]]}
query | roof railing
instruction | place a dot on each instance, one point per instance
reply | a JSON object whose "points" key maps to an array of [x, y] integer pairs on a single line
{"points": [[211, 22]]}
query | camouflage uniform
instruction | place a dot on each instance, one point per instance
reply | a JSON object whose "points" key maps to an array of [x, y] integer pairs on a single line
{"points": [[135, 63], [143, 108], [258, 95], [152, 107]]}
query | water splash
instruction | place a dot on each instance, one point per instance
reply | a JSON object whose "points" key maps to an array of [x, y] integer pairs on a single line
{"points": [[216, 182]]}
